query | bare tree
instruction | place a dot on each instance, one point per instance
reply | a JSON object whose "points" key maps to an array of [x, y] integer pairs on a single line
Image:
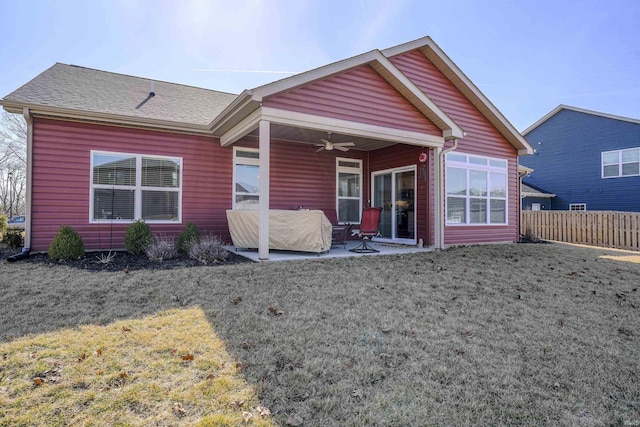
{"points": [[13, 163]]}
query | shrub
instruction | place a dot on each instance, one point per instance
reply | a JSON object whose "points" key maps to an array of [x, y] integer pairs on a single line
{"points": [[189, 236], [208, 250], [138, 237], [3, 223], [163, 247], [13, 238], [66, 245]]}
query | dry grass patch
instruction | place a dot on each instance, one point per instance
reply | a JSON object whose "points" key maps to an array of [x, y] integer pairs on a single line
{"points": [[529, 334], [166, 369], [627, 258]]}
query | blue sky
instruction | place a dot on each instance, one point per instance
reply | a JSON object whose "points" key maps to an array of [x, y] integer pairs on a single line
{"points": [[526, 56]]}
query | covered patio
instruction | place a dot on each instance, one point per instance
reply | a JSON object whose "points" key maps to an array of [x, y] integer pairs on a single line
{"points": [[360, 117], [383, 248]]}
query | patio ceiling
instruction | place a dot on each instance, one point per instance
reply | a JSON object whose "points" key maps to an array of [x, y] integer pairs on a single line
{"points": [[309, 136]]}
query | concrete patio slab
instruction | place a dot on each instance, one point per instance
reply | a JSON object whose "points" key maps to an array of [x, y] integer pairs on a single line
{"points": [[335, 252]]}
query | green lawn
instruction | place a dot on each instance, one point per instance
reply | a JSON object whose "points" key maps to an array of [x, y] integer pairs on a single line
{"points": [[529, 334]]}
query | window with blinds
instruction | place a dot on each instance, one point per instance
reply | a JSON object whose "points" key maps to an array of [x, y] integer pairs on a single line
{"points": [[125, 187]]}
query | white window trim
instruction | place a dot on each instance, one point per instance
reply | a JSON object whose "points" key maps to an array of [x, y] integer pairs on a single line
{"points": [[347, 169], [138, 188], [243, 161], [620, 163], [487, 168], [577, 207]]}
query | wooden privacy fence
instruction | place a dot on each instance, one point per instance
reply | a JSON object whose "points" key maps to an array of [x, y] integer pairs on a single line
{"points": [[608, 229]]}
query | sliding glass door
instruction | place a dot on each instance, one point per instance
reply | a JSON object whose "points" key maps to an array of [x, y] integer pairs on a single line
{"points": [[394, 191]]}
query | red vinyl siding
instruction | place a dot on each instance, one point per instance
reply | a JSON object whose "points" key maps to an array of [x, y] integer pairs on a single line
{"points": [[398, 156], [61, 179], [301, 177], [481, 138], [61, 190], [359, 95]]}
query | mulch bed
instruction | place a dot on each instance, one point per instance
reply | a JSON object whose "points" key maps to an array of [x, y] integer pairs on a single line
{"points": [[122, 261]]}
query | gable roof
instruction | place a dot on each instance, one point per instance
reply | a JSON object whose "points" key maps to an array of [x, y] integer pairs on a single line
{"points": [[89, 92], [440, 59], [250, 100], [578, 110]]}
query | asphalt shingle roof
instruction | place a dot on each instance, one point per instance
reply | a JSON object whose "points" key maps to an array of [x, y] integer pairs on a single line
{"points": [[85, 89]]}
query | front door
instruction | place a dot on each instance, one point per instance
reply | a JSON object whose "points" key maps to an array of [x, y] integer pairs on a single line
{"points": [[394, 191]]}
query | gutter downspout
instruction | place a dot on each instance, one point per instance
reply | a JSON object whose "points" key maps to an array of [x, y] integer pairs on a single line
{"points": [[27, 225], [521, 175], [440, 191]]}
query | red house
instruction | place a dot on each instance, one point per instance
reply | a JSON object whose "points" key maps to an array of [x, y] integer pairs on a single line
{"points": [[425, 145]]}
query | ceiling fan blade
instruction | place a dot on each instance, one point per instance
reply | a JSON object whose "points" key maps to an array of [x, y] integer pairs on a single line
{"points": [[325, 142], [344, 144], [320, 149], [340, 147]]}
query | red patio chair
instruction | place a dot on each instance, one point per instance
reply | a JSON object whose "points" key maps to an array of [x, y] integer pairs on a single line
{"points": [[368, 229]]}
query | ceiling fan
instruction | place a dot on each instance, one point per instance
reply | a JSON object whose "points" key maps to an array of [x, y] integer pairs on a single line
{"points": [[328, 145]]}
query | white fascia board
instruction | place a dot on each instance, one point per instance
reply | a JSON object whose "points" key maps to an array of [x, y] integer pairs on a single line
{"points": [[310, 121], [104, 118], [243, 99], [425, 104], [307, 77], [408, 46], [386, 69], [578, 110], [538, 195], [245, 126], [543, 119], [426, 44]]}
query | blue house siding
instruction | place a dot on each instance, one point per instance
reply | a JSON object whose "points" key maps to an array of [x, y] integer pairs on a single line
{"points": [[568, 160]]}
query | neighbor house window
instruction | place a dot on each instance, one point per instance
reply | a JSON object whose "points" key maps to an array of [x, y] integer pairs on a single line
{"points": [[577, 206], [246, 178], [476, 189], [348, 189], [621, 163], [125, 187]]}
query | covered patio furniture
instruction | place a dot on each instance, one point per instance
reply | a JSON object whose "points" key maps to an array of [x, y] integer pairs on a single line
{"points": [[368, 229], [339, 232], [290, 230]]}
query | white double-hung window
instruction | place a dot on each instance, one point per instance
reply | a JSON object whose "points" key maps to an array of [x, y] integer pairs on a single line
{"points": [[476, 189], [126, 187], [621, 163], [348, 189], [246, 178]]}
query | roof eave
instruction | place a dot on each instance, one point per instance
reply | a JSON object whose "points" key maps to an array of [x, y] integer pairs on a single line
{"points": [[106, 118], [240, 103], [379, 63], [539, 195], [578, 110]]}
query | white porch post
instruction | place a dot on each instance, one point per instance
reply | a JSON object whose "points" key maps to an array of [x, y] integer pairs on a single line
{"points": [[263, 205]]}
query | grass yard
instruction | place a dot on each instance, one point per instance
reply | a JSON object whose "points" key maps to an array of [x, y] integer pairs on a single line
{"points": [[528, 334]]}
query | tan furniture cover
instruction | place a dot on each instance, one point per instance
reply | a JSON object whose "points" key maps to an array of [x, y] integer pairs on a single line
{"points": [[289, 230]]}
